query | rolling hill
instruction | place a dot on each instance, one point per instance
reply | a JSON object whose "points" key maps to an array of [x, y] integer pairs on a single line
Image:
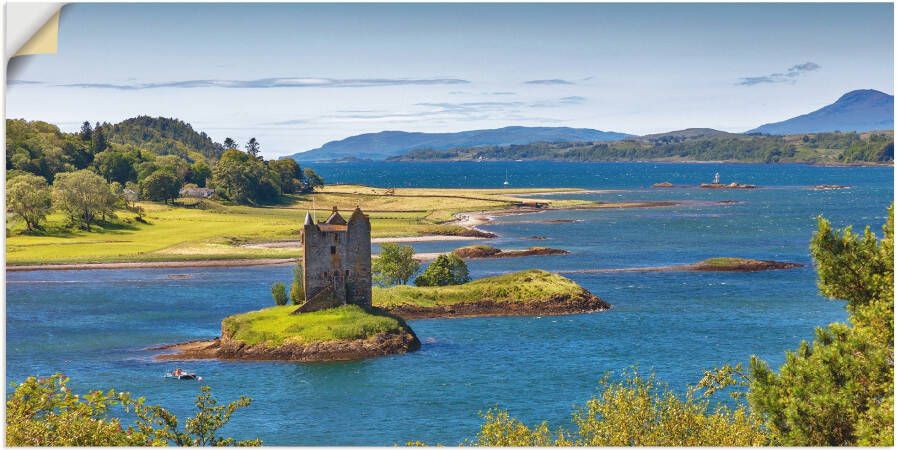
{"points": [[385, 144], [860, 110]]}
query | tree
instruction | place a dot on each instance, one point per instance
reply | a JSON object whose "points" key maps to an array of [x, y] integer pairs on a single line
{"points": [[291, 176], [637, 411], [230, 144], [45, 412], [199, 173], [297, 289], [395, 265], [161, 186], [86, 132], [839, 390], [28, 197], [253, 148], [174, 165], [83, 196], [98, 140], [234, 177], [312, 179], [445, 270], [279, 292], [115, 166]]}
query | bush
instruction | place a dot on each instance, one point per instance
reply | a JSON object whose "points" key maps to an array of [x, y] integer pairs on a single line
{"points": [[279, 292], [297, 290], [444, 271]]}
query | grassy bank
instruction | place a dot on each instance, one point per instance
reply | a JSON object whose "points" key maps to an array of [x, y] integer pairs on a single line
{"points": [[518, 287], [211, 230], [277, 325]]}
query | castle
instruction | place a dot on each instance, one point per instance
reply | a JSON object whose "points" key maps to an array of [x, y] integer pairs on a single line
{"points": [[336, 261]]}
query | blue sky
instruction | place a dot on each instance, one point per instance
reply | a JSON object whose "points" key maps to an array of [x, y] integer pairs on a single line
{"points": [[296, 76]]}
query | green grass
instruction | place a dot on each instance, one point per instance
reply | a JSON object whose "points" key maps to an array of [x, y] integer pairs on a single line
{"points": [[212, 230], [725, 262], [277, 325], [523, 286]]}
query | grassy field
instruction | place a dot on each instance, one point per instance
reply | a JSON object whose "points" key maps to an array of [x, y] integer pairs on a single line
{"points": [[276, 325], [211, 230], [513, 287]]}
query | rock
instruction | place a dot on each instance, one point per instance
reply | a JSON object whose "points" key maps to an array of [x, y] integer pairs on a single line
{"points": [[485, 251], [665, 184], [586, 302]]}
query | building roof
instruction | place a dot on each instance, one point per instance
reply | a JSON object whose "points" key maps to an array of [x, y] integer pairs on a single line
{"points": [[335, 218], [327, 227]]}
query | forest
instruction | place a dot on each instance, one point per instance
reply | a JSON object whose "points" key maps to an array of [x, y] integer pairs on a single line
{"points": [[818, 148]]}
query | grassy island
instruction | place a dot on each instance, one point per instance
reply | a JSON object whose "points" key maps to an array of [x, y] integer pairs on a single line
{"points": [[528, 292], [728, 264], [488, 251], [347, 332]]}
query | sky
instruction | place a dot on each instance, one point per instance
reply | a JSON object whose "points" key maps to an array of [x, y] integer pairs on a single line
{"points": [[296, 76]]}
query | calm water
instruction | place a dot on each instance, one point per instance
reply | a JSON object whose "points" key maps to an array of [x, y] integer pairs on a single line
{"points": [[95, 325]]}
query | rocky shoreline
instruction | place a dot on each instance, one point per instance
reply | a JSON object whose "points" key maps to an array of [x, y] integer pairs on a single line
{"points": [[225, 348], [485, 251]]}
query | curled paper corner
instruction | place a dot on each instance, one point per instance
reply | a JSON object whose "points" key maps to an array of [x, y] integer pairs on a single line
{"points": [[32, 28], [45, 40]]}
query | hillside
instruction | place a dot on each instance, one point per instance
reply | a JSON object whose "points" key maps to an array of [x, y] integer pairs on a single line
{"points": [[386, 144], [808, 148], [860, 110], [164, 136]]}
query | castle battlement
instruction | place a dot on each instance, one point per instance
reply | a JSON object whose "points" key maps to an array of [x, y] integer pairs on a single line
{"points": [[336, 261]]}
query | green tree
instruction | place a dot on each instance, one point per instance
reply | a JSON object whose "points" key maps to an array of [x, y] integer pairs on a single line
{"points": [[175, 165], [230, 144], [161, 186], [98, 140], [312, 179], [45, 412], [28, 197], [83, 196], [279, 292], [199, 173], [253, 148], [395, 265], [839, 389], [86, 133], [297, 289], [446, 270], [115, 166], [637, 411], [291, 176]]}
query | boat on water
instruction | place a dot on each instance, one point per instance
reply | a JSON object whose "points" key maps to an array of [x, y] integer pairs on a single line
{"points": [[506, 183], [178, 374]]}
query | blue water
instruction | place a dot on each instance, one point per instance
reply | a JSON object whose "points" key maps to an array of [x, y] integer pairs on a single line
{"points": [[95, 325]]}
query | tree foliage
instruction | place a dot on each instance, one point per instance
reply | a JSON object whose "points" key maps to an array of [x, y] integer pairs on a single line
{"points": [[161, 186], [28, 197], [839, 390], [446, 270], [637, 411], [84, 197], [45, 412], [279, 292], [395, 265], [297, 288]]}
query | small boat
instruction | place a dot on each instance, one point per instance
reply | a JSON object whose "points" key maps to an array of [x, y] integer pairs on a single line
{"points": [[180, 375], [506, 183]]}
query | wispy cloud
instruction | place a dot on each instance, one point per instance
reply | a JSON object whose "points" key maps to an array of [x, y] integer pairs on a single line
{"points": [[445, 111], [790, 76], [17, 82], [549, 82], [271, 83]]}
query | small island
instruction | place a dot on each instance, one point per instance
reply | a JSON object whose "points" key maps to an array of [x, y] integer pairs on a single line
{"points": [[277, 333], [726, 264], [524, 293], [487, 251]]}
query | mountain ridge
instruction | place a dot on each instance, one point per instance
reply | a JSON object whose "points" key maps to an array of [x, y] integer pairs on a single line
{"points": [[858, 110]]}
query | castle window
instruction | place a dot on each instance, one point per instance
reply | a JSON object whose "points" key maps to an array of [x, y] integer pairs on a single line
{"points": [[336, 237], [347, 272], [332, 249]]}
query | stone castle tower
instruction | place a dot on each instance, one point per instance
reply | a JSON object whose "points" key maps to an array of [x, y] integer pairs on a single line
{"points": [[337, 261]]}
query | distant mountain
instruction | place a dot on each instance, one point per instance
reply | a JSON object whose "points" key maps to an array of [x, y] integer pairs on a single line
{"points": [[384, 144], [861, 110], [164, 136]]}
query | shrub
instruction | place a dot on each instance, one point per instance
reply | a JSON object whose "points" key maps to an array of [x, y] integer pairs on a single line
{"points": [[297, 290], [279, 292], [446, 270]]}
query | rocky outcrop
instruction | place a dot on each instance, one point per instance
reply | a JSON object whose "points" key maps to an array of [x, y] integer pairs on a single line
{"points": [[727, 186], [665, 184], [739, 265], [586, 302], [485, 251], [226, 348]]}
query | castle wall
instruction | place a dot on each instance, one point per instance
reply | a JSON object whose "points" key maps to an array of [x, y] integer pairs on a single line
{"points": [[358, 260], [323, 268]]}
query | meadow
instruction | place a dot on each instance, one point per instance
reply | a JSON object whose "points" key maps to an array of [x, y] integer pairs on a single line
{"points": [[210, 230]]}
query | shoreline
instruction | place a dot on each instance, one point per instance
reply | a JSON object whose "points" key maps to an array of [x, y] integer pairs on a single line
{"points": [[468, 220]]}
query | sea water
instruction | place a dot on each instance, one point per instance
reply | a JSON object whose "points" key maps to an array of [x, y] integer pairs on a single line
{"points": [[95, 325]]}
